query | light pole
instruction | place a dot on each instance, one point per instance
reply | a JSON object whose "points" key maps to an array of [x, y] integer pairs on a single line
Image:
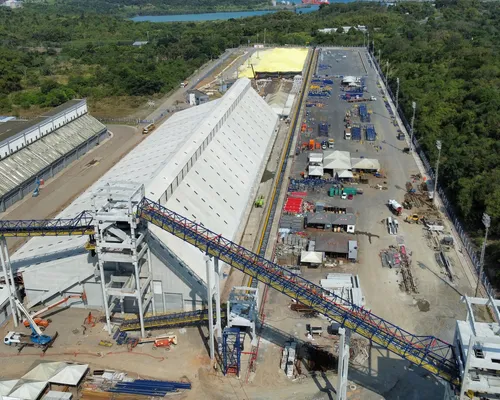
{"points": [[387, 72], [486, 222], [434, 196], [414, 106], [397, 94]]}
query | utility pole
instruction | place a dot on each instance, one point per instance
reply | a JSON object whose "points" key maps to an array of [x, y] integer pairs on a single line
{"points": [[487, 223], [387, 72], [265, 29], [397, 94], [379, 53], [414, 106], [368, 41], [434, 196]]}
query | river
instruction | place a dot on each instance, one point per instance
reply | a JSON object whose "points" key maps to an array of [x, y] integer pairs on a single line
{"points": [[223, 15]]}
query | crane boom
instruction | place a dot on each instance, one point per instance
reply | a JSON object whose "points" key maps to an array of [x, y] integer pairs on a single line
{"points": [[36, 329]]}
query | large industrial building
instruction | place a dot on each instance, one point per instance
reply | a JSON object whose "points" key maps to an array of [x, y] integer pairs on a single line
{"points": [[205, 163], [40, 148]]}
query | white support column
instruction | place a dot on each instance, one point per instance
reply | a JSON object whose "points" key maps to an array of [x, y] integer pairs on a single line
{"points": [[218, 323], [343, 366], [137, 281], [105, 296], [465, 379], [3, 244], [208, 262], [151, 291]]}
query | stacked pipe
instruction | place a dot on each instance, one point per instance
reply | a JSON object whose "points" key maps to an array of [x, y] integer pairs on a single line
{"points": [[145, 387]]}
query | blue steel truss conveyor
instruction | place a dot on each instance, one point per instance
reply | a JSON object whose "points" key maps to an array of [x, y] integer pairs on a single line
{"points": [[428, 352]]}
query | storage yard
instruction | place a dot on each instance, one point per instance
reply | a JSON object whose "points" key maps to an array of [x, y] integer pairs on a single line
{"points": [[155, 281]]}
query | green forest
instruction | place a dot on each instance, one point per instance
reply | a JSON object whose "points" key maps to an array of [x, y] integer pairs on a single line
{"points": [[446, 56], [131, 8]]}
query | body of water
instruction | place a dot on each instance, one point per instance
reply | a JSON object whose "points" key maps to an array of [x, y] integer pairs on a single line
{"points": [[224, 15]]}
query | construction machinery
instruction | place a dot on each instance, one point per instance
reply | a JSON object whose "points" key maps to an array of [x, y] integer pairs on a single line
{"points": [[413, 219], [43, 322], [37, 338], [149, 128]]}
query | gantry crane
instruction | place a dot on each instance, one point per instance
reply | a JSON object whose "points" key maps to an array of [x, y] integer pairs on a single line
{"points": [[428, 352]]}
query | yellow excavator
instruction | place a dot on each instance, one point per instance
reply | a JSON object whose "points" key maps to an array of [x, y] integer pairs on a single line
{"points": [[413, 219]]}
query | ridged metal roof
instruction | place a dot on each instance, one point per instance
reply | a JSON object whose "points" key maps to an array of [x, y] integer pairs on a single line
{"points": [[28, 162]]}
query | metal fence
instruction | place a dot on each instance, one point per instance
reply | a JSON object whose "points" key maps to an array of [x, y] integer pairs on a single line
{"points": [[464, 237]]}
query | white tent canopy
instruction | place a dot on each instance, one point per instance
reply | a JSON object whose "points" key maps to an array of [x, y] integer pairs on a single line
{"points": [[338, 160], [349, 79], [6, 386], [344, 174], [28, 390], [44, 371], [70, 375], [365, 163], [315, 170], [311, 257]]}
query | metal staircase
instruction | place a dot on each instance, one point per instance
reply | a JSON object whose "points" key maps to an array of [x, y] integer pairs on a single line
{"points": [[428, 352]]}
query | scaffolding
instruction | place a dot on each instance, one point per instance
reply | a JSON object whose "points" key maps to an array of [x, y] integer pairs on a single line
{"points": [[231, 351], [120, 245]]}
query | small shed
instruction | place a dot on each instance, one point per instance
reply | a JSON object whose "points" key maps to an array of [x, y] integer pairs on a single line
{"points": [[353, 250], [315, 158], [312, 258], [322, 220], [334, 245], [196, 97]]}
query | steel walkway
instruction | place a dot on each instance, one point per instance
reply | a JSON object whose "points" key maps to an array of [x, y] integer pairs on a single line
{"points": [[80, 225], [428, 352], [170, 320]]}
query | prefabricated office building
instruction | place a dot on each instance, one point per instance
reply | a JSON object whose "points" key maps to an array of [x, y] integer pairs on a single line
{"points": [[204, 163]]}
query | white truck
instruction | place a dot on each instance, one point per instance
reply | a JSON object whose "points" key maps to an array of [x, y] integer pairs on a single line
{"points": [[15, 338]]}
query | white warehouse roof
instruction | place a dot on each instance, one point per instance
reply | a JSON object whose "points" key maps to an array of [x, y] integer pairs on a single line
{"points": [[204, 163]]}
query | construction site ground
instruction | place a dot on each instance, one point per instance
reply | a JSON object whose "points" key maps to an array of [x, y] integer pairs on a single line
{"points": [[431, 311]]}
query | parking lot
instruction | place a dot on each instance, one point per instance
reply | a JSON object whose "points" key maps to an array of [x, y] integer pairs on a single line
{"points": [[435, 306]]}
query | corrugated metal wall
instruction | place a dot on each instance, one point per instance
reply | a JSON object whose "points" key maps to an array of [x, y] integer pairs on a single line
{"points": [[47, 157]]}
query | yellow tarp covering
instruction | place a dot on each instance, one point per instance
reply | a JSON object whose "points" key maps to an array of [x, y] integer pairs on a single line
{"points": [[274, 60]]}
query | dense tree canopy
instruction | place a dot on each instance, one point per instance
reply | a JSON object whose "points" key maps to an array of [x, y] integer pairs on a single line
{"points": [[446, 56], [149, 7]]}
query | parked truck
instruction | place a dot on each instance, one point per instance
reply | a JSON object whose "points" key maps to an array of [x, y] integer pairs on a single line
{"points": [[371, 136], [395, 207], [350, 190], [323, 129], [356, 132]]}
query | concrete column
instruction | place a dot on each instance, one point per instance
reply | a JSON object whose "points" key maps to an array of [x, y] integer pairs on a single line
{"points": [[218, 324], [343, 367], [13, 307], [208, 262], [151, 288], [103, 280], [139, 297]]}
